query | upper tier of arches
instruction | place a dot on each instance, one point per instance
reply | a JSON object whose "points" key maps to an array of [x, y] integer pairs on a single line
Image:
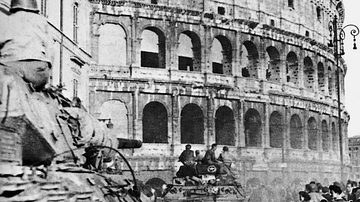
{"points": [[220, 53]]}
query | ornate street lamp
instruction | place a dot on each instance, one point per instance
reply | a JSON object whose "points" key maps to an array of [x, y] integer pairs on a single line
{"points": [[337, 35]]}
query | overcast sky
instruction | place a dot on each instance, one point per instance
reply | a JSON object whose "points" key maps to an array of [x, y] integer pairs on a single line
{"points": [[352, 59]]}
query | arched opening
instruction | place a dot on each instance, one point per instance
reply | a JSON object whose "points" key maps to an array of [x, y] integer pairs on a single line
{"points": [[325, 136], [112, 45], [117, 113], [330, 81], [321, 77], [153, 48], [253, 128], [221, 55], [155, 120], [296, 132], [273, 64], [292, 68], [335, 138], [308, 73], [225, 126], [312, 134], [192, 125], [276, 130], [189, 52], [249, 60]]}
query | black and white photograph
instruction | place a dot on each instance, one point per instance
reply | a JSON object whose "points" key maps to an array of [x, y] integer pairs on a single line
{"points": [[179, 101]]}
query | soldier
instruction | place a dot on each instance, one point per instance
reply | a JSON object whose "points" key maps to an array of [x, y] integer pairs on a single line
{"points": [[24, 43], [187, 157]]}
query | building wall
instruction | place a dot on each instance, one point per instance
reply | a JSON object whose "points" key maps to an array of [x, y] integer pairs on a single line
{"points": [[354, 153], [288, 74]]}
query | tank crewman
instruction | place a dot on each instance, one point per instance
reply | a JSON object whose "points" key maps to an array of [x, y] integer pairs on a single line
{"points": [[187, 157], [226, 157], [24, 43], [209, 157], [198, 157]]}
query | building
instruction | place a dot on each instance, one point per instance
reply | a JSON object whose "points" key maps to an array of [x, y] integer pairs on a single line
{"points": [[354, 153], [71, 45], [256, 76]]}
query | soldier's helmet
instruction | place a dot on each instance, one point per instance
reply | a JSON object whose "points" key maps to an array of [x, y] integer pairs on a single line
{"points": [[27, 5]]}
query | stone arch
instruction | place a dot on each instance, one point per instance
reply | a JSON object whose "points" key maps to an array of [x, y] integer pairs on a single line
{"points": [[225, 126], [330, 81], [312, 134], [112, 45], [308, 73], [189, 51], [321, 77], [153, 48], [325, 136], [276, 130], [192, 124], [221, 54], [253, 128], [155, 123], [296, 132], [249, 59], [292, 68], [117, 112], [335, 137], [273, 64]]}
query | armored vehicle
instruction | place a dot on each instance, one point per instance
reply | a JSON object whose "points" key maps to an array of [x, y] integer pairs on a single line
{"points": [[208, 183], [53, 150]]}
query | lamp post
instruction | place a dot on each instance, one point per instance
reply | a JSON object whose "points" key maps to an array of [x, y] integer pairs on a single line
{"points": [[337, 35]]}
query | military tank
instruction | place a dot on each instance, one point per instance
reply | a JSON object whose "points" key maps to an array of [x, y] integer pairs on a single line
{"points": [[204, 183], [53, 150]]}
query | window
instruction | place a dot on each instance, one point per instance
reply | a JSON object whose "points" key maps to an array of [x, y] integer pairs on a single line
{"points": [[154, 1], [221, 10], [75, 22], [291, 3], [318, 13], [43, 10], [75, 87], [272, 22], [307, 33]]}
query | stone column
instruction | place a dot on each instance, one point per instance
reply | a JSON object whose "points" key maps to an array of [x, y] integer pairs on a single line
{"points": [[286, 128], [236, 70], [305, 130], [241, 129], [320, 131], [266, 126], [175, 121], [210, 120], [301, 68], [262, 66], [135, 115]]}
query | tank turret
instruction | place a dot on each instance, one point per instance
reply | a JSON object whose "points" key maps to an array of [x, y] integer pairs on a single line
{"points": [[56, 150]]}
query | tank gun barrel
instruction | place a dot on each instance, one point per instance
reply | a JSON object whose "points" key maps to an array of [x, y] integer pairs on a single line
{"points": [[124, 143]]}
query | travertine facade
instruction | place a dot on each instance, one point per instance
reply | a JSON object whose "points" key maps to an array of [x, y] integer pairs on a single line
{"points": [[253, 75]]}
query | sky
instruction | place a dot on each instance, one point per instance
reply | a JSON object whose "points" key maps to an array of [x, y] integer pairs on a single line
{"points": [[352, 59]]}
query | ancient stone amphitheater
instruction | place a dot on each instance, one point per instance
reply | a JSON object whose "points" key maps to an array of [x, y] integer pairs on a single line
{"points": [[254, 75]]}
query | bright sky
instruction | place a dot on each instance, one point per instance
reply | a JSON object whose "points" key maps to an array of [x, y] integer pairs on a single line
{"points": [[352, 59]]}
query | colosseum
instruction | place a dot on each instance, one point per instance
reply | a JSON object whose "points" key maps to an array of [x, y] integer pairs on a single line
{"points": [[257, 76]]}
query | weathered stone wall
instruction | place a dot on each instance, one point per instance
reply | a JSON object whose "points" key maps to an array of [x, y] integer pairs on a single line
{"points": [[283, 110]]}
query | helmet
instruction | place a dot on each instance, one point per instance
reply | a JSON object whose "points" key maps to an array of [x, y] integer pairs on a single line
{"points": [[29, 5]]}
